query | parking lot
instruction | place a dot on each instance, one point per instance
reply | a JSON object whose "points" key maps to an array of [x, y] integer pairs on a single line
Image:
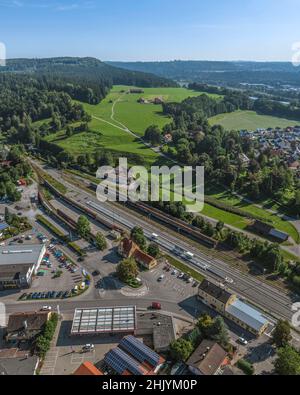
{"points": [[171, 280], [57, 277]]}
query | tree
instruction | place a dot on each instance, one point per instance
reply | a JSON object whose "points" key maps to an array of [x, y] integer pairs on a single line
{"points": [[204, 324], [153, 135], [282, 333], [287, 362], [219, 226], [127, 269], [8, 216], [83, 226], [219, 332], [100, 241], [214, 329], [181, 349], [137, 235], [153, 250]]}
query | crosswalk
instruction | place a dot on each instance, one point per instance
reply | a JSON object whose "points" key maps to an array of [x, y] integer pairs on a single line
{"points": [[49, 364]]}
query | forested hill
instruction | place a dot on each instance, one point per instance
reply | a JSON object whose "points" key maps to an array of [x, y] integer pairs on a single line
{"points": [[85, 79], [222, 73]]}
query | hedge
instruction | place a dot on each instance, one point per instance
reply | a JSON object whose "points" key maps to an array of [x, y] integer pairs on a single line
{"points": [[76, 248], [43, 341], [51, 227], [246, 367]]}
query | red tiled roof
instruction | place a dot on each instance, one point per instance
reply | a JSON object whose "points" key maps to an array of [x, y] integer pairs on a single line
{"points": [[141, 256], [127, 246], [87, 369]]}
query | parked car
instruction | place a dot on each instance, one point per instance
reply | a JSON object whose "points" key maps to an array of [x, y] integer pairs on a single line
{"points": [[242, 341], [46, 308], [88, 347], [160, 278], [156, 306], [181, 275], [96, 273], [174, 272]]}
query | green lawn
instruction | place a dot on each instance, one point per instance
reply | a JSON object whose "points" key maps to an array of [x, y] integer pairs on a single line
{"points": [[277, 222], [249, 120], [137, 117], [103, 135]]}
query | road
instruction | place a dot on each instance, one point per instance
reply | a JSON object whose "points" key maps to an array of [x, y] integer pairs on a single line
{"points": [[267, 297]]}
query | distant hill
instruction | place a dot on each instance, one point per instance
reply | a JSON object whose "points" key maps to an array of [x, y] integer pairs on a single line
{"points": [[86, 79], [222, 73]]}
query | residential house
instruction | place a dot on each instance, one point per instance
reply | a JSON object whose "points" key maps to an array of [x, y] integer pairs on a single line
{"points": [[25, 326], [208, 359]]}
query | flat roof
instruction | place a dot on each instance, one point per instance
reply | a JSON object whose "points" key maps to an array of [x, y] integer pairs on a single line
{"points": [[161, 326], [20, 254], [104, 320], [247, 314]]}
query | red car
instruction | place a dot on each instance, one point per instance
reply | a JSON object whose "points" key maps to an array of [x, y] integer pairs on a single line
{"points": [[156, 306]]}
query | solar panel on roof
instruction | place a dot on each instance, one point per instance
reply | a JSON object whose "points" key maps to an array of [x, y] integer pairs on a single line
{"points": [[139, 350], [118, 360]]}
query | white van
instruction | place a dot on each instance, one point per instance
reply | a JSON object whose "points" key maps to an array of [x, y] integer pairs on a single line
{"points": [[189, 255]]}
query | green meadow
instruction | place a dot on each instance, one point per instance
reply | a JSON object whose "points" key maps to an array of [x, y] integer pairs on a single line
{"points": [[249, 120]]}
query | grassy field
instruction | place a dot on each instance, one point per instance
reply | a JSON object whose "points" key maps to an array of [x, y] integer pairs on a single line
{"points": [[276, 221], [137, 117], [103, 135], [249, 120]]}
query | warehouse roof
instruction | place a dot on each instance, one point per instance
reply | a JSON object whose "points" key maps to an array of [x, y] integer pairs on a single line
{"points": [[104, 320], [20, 255], [247, 314]]}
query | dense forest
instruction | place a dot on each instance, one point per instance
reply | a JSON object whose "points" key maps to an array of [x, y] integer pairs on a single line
{"points": [[84, 79]]}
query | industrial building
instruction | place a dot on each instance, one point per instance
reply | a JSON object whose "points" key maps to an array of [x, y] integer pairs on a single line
{"points": [[18, 264], [104, 320], [232, 307]]}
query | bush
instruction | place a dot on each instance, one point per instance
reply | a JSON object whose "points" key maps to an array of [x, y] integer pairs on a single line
{"points": [[181, 349], [246, 367]]}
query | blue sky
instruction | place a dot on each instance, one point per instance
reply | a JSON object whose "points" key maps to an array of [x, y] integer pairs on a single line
{"points": [[151, 29]]}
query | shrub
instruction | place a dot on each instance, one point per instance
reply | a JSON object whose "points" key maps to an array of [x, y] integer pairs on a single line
{"points": [[246, 367]]}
